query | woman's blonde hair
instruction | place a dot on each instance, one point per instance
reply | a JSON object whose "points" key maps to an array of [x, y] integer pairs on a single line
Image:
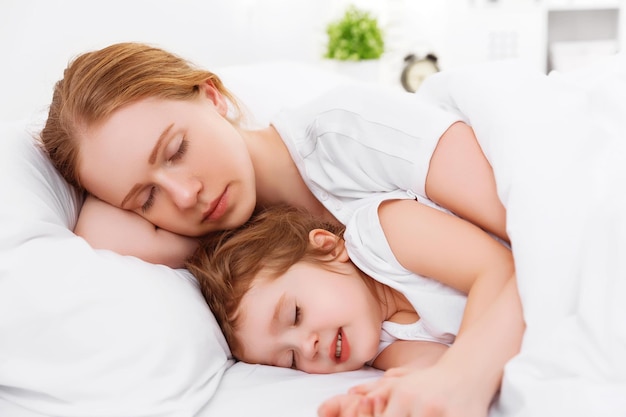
{"points": [[97, 83], [226, 263]]}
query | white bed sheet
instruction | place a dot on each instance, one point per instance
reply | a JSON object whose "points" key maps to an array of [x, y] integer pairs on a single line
{"points": [[258, 390]]}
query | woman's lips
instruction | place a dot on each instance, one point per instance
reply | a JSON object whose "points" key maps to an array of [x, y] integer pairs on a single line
{"points": [[217, 208]]}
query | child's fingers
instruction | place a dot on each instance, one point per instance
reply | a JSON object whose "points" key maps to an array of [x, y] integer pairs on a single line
{"points": [[345, 405], [368, 387], [365, 388], [396, 372], [366, 407], [380, 404], [329, 408]]}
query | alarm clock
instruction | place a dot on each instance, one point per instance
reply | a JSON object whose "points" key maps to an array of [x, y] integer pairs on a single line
{"points": [[416, 70]]}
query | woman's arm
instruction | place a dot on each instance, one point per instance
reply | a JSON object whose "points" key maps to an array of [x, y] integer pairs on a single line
{"points": [[461, 179], [104, 226]]}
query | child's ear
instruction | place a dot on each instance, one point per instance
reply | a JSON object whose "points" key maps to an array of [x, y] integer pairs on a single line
{"points": [[209, 91], [326, 240]]}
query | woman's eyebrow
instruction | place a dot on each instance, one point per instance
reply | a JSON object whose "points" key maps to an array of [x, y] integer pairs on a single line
{"points": [[151, 161], [159, 142]]}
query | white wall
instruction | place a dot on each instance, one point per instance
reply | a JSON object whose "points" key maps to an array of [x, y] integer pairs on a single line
{"points": [[39, 37]]}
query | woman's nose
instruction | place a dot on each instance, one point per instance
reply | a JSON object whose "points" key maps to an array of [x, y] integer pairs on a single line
{"points": [[184, 191]]}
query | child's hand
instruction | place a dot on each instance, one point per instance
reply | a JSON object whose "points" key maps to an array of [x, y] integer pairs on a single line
{"points": [[347, 405], [435, 391]]}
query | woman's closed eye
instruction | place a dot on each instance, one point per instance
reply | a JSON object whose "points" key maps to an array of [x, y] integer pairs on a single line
{"points": [[150, 200], [182, 149], [180, 152]]}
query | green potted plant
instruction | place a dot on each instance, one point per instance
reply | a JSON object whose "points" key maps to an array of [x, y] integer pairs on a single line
{"points": [[355, 37], [355, 45]]}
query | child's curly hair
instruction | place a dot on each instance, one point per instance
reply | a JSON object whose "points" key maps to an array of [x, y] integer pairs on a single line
{"points": [[226, 263]]}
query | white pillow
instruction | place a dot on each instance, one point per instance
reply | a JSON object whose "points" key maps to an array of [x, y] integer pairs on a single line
{"points": [[85, 331]]}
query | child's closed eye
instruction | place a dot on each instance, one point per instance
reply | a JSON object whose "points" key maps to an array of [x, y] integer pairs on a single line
{"points": [[297, 316]]}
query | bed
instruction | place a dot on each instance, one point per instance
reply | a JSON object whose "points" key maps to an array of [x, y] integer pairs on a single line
{"points": [[91, 333]]}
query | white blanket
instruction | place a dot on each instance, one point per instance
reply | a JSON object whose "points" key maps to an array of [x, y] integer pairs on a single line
{"points": [[557, 144]]}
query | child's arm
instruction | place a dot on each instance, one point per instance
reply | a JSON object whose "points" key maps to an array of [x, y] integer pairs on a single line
{"points": [[418, 354], [462, 256], [411, 353], [464, 380], [459, 254], [127, 233], [451, 250]]}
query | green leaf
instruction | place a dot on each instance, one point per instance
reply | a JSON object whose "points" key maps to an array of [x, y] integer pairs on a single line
{"points": [[356, 36]]}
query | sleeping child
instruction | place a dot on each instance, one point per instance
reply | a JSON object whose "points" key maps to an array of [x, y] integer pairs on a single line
{"points": [[292, 291]]}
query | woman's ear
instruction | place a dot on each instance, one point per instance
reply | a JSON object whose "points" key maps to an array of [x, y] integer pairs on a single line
{"points": [[219, 101], [326, 240]]}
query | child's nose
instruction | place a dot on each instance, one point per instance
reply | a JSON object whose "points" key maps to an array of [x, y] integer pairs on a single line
{"points": [[309, 345]]}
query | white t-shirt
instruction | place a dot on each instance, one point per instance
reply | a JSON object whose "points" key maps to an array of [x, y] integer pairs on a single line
{"points": [[357, 146], [357, 141], [439, 306]]}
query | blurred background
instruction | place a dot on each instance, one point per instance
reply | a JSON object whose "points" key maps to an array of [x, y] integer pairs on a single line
{"points": [[39, 37]]}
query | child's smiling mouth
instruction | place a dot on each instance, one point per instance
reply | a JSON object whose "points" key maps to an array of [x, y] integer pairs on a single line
{"points": [[338, 345], [340, 350]]}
